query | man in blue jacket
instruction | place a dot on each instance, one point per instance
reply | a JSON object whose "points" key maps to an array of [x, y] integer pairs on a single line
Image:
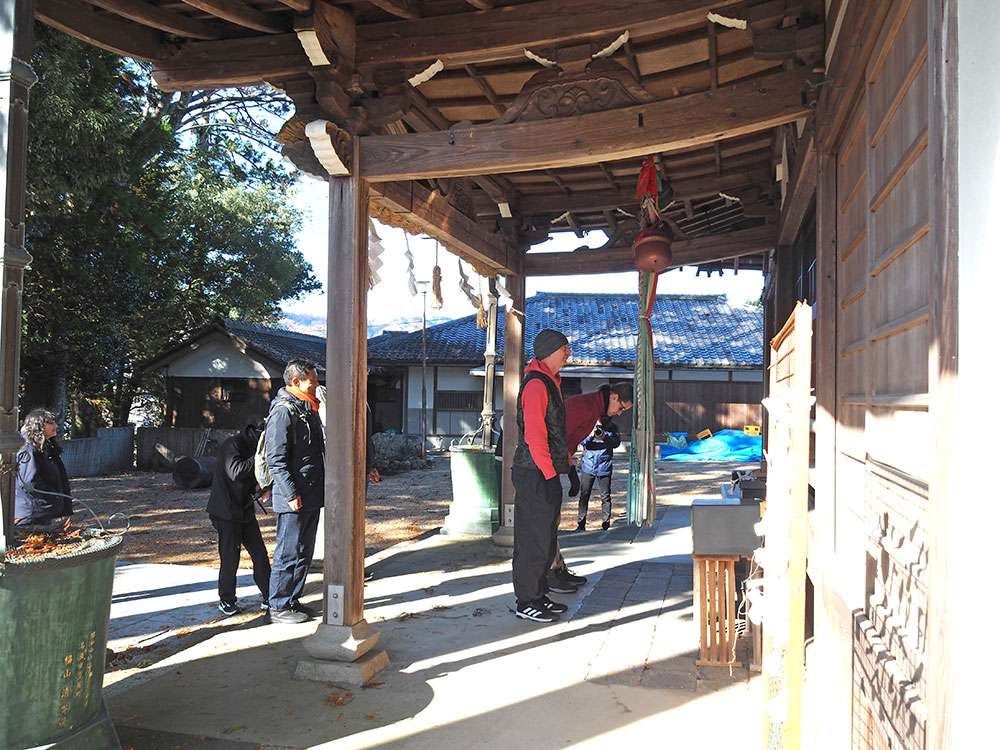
{"points": [[596, 468], [294, 447]]}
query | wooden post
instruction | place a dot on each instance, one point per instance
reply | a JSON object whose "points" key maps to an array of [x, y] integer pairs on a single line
{"points": [[16, 80], [342, 645], [513, 365]]}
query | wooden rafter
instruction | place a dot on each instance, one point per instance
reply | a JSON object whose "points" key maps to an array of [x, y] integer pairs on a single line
{"points": [[161, 18], [480, 4], [399, 8], [706, 249], [488, 92], [425, 118], [416, 209], [599, 200], [107, 32], [662, 126], [504, 33], [609, 176], [302, 6], [238, 12]]}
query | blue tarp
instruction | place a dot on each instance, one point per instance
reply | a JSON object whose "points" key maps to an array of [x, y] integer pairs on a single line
{"points": [[725, 445]]}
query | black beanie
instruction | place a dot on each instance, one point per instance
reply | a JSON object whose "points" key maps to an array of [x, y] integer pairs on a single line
{"points": [[547, 342]]}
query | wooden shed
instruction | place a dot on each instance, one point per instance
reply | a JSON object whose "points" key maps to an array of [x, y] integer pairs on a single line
{"points": [[851, 147]]}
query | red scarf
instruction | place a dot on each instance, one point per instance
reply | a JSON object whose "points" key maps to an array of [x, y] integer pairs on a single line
{"points": [[304, 396]]}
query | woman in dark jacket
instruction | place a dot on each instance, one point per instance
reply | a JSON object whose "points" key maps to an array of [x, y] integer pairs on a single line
{"points": [[41, 491]]}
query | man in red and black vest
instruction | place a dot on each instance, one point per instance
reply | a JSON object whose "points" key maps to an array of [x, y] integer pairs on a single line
{"points": [[541, 456]]}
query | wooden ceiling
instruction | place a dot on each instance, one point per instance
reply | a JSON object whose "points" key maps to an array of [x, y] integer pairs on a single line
{"points": [[370, 50]]}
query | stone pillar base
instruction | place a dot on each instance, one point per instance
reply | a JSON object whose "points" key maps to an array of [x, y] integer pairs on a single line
{"points": [[341, 642], [504, 536], [345, 674]]}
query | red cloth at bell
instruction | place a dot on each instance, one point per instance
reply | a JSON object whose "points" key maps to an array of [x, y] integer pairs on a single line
{"points": [[648, 183]]}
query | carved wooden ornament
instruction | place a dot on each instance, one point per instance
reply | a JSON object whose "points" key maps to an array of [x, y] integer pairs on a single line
{"points": [[602, 85], [331, 145]]}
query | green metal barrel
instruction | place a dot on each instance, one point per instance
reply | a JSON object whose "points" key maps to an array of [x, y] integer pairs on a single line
{"points": [[475, 492], [53, 634]]}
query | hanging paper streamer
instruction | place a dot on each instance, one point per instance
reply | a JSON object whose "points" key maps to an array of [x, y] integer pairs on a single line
{"points": [[472, 296], [411, 280], [437, 300], [375, 250], [642, 460]]}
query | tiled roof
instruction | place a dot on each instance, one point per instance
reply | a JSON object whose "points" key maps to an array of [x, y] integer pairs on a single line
{"points": [[688, 331], [281, 344]]}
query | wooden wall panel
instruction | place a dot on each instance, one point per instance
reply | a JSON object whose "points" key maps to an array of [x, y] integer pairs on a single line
{"points": [[885, 457]]}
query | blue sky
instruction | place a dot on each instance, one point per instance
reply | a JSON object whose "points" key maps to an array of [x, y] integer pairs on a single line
{"points": [[390, 302]]}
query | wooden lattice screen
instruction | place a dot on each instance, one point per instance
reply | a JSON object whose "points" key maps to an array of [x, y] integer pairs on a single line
{"points": [[788, 406]]}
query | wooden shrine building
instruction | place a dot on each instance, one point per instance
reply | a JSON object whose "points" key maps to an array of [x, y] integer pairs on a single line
{"points": [[849, 147]]}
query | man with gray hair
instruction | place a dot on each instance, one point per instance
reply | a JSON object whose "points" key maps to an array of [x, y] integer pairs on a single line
{"points": [[294, 447]]}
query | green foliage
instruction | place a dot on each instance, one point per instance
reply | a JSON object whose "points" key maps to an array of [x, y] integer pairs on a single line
{"points": [[147, 213]]}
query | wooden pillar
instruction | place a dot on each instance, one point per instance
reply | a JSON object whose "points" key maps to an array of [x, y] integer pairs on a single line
{"points": [[342, 645], [489, 413], [513, 366], [16, 80]]}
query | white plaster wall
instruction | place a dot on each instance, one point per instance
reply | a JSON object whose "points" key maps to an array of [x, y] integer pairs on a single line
{"points": [[215, 356], [975, 518], [457, 379]]}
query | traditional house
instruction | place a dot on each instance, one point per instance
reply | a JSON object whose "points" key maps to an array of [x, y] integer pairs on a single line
{"points": [[709, 357], [226, 373]]}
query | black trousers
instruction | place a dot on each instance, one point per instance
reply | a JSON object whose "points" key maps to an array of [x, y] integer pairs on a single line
{"points": [[536, 521], [602, 485], [232, 536], [296, 538]]}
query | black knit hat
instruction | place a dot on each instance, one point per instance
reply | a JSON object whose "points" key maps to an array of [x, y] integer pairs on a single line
{"points": [[547, 342]]}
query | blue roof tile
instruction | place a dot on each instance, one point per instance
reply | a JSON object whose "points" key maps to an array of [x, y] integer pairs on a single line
{"points": [[688, 331]]}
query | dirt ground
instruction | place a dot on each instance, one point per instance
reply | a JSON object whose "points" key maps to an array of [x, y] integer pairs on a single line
{"points": [[169, 525]]}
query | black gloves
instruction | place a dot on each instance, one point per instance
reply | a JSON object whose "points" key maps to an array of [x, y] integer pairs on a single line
{"points": [[574, 482]]}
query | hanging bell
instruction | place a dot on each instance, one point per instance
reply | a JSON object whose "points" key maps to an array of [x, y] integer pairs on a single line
{"points": [[651, 250]]}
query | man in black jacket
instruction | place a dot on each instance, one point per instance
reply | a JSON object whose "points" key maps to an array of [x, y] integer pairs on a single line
{"points": [[294, 446], [231, 508]]}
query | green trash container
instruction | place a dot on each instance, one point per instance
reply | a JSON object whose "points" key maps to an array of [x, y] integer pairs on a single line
{"points": [[53, 635], [475, 492]]}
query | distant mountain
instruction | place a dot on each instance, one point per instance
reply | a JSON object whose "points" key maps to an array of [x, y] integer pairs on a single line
{"points": [[316, 325]]}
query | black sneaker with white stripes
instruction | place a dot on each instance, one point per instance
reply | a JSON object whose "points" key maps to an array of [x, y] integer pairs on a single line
{"points": [[536, 612], [556, 608]]}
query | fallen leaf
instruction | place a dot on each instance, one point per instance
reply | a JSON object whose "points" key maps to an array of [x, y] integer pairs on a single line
{"points": [[339, 699], [372, 717]]}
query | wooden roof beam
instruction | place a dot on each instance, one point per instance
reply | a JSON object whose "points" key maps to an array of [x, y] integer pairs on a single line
{"points": [[100, 30], [709, 248], [417, 209], [229, 62], [480, 4], [504, 33], [661, 126], [241, 14], [161, 18]]}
